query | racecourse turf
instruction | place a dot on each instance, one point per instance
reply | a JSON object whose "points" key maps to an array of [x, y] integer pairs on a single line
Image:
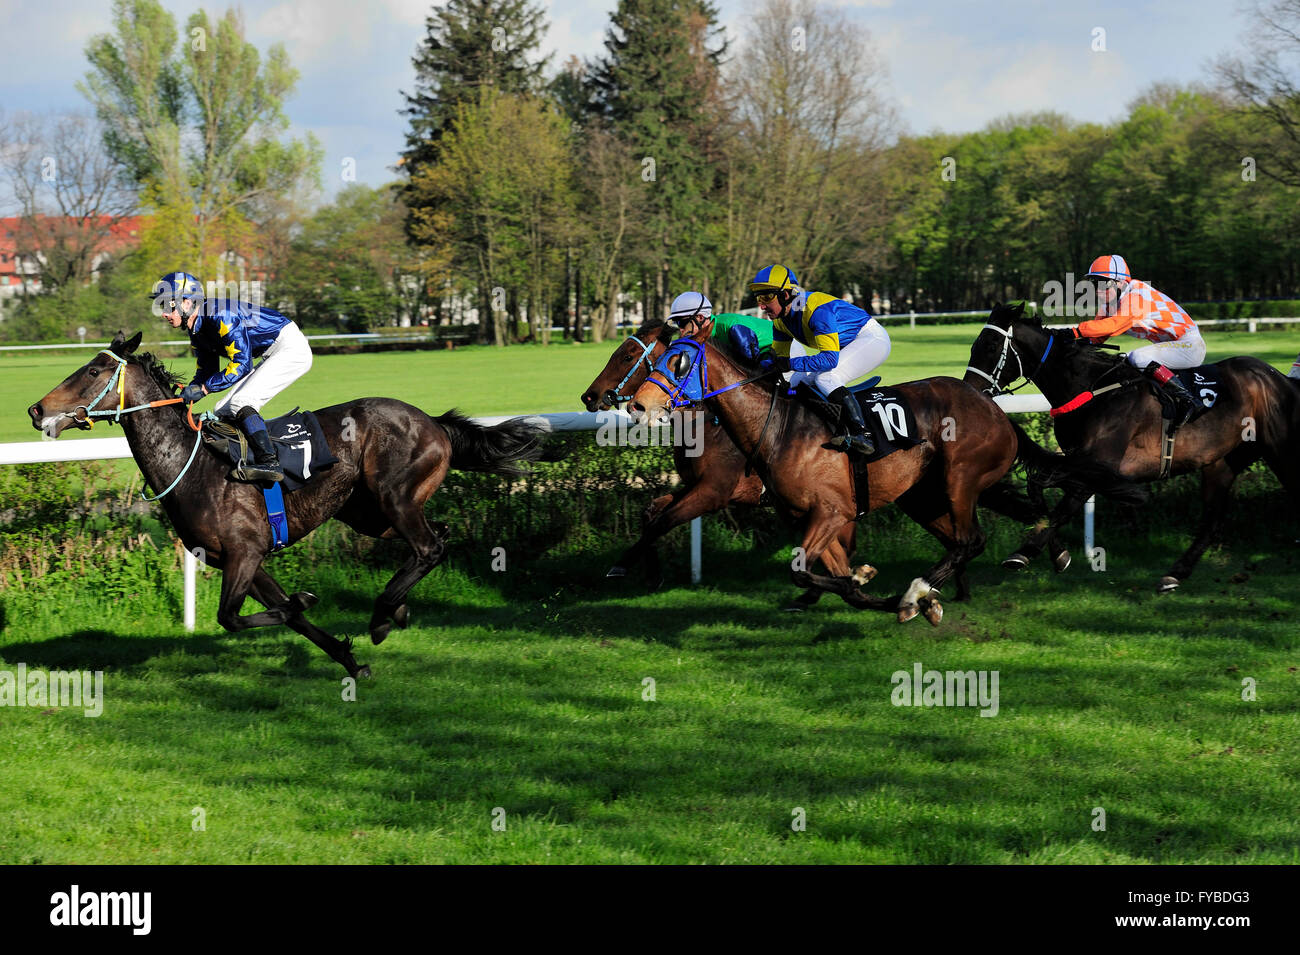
{"points": [[520, 698]]}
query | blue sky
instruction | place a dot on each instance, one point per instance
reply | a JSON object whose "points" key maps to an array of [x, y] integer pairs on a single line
{"points": [[953, 65]]}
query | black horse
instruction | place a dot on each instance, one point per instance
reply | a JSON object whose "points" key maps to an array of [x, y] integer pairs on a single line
{"points": [[391, 458], [1256, 416]]}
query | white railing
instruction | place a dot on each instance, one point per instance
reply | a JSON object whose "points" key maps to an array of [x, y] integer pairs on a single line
{"points": [[96, 449]]}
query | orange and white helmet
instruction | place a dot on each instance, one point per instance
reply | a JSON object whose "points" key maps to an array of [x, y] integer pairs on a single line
{"points": [[1109, 267]]}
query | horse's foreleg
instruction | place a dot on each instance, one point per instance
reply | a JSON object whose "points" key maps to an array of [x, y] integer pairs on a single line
{"points": [[238, 572], [1216, 486], [1033, 545], [701, 498], [1003, 498], [823, 540], [270, 594]]}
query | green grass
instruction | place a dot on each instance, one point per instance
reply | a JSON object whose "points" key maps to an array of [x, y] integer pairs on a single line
{"points": [[523, 378], [524, 691]]}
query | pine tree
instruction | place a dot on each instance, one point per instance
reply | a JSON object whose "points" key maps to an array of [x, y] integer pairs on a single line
{"points": [[654, 89]]}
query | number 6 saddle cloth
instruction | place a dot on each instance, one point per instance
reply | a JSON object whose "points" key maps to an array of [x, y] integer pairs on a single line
{"points": [[297, 438]]}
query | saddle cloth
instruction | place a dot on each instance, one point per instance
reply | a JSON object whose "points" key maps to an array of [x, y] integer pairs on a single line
{"points": [[888, 415], [297, 438], [1203, 384]]}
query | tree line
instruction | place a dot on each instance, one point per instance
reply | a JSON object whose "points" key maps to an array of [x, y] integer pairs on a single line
{"points": [[531, 195]]}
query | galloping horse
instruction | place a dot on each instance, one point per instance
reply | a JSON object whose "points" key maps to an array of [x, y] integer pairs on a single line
{"points": [[711, 479], [717, 476], [1255, 416], [966, 446], [391, 458]]}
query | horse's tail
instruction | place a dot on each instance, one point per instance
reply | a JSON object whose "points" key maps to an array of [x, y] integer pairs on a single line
{"points": [[1047, 469], [496, 449]]}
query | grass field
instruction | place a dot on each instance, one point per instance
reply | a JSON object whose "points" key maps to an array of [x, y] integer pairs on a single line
{"points": [[523, 693]]}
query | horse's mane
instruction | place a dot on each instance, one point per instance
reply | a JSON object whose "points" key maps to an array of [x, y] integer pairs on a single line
{"points": [[166, 380], [651, 325]]}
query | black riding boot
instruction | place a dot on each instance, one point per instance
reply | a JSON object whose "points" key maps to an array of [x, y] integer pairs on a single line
{"points": [[856, 437], [265, 466], [1184, 401]]}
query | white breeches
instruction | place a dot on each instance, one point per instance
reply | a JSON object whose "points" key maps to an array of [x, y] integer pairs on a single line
{"points": [[863, 355], [287, 360], [1186, 352]]}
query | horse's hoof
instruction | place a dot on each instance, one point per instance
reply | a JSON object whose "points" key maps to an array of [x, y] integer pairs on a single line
{"points": [[1167, 585], [617, 571], [907, 613], [303, 600], [933, 611], [363, 672], [402, 616], [1016, 562], [378, 634], [863, 574], [1061, 562]]}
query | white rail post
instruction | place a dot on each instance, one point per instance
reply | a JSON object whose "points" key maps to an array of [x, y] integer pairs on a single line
{"points": [[1089, 518], [191, 567], [696, 562]]}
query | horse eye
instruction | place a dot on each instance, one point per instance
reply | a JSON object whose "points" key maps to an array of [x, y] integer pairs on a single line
{"points": [[679, 365], [94, 373]]}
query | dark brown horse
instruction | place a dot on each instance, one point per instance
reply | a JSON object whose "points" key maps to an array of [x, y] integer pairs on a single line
{"points": [[1256, 416], [391, 458], [966, 447]]}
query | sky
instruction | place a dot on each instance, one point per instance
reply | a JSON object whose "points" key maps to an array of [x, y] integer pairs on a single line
{"points": [[953, 65]]}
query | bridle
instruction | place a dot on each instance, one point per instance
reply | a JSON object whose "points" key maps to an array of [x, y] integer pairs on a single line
{"points": [[646, 349], [1009, 349], [87, 413]]}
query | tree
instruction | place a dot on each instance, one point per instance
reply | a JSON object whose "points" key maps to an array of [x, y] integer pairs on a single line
{"points": [[198, 127], [69, 192], [812, 125], [500, 197], [652, 90]]}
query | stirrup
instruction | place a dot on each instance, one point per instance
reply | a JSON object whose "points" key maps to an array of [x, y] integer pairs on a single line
{"points": [[253, 472]]}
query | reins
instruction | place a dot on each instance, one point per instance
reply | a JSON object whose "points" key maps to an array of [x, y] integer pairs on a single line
{"points": [[119, 379]]}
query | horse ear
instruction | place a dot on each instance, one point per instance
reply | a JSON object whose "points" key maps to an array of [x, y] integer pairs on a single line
{"points": [[132, 344], [116, 343]]}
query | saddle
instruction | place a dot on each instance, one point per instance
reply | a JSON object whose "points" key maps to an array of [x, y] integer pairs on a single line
{"points": [[297, 438], [893, 426]]}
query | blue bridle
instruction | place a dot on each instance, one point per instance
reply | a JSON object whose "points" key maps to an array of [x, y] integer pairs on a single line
{"points": [[694, 383]]}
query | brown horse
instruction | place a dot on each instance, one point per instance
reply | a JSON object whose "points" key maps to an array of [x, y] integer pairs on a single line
{"points": [[711, 480], [1255, 416], [966, 447], [391, 458]]}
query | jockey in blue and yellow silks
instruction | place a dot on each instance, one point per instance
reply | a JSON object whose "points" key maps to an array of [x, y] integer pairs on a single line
{"points": [[849, 342], [226, 336]]}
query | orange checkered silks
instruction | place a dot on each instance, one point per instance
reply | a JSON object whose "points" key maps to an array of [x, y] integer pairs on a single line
{"points": [[1143, 311]]}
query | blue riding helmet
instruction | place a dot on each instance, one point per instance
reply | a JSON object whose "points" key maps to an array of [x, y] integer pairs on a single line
{"points": [[177, 287]]}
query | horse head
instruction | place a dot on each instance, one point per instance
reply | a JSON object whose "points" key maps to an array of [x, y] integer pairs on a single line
{"points": [[1009, 346], [87, 389], [628, 367], [680, 378]]}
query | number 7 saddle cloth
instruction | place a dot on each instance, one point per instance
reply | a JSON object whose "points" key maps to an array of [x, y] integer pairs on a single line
{"points": [[297, 438]]}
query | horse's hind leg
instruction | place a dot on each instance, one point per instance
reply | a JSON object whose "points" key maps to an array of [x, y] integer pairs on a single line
{"points": [[1045, 535], [1216, 486], [268, 592], [428, 548]]}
